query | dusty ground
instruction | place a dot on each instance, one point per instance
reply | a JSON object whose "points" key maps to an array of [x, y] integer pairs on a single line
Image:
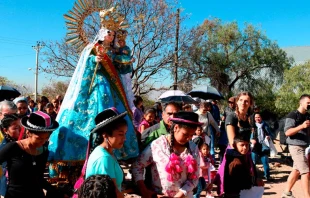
{"points": [[280, 174], [280, 169]]}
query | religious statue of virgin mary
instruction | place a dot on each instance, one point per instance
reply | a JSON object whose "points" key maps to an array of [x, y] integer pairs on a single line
{"points": [[95, 85]]}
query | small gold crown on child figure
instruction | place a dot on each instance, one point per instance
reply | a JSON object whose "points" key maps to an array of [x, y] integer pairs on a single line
{"points": [[112, 20], [121, 35]]}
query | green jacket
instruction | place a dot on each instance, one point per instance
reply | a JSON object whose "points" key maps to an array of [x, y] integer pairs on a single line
{"points": [[152, 133]]}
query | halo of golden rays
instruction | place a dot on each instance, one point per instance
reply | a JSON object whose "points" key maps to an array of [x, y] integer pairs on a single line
{"points": [[109, 18], [75, 20]]}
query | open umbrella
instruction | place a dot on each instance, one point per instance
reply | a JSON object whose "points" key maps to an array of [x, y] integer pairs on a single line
{"points": [[176, 96], [8, 92], [206, 92]]}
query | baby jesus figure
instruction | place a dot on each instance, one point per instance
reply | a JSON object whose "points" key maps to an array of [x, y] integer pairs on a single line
{"points": [[123, 59]]}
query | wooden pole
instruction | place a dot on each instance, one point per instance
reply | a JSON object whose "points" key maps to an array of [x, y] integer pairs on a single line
{"points": [[176, 49]]}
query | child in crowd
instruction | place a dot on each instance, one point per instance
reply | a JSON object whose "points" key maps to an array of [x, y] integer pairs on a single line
{"points": [[148, 120], [187, 107], [49, 109], [31, 106], [42, 103], [206, 164], [55, 102], [10, 127], [237, 173], [200, 137], [99, 186]]}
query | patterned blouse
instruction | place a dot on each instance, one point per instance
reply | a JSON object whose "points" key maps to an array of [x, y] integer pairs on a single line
{"points": [[157, 155]]}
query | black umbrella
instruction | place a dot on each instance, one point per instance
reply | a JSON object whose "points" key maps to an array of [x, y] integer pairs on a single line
{"points": [[8, 92], [206, 92]]}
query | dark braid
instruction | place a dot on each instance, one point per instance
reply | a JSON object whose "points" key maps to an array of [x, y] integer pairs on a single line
{"points": [[95, 140], [98, 186], [6, 122], [172, 138]]}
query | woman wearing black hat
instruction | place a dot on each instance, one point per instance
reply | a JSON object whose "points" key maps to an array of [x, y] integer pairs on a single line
{"points": [[110, 131], [26, 159], [173, 159]]}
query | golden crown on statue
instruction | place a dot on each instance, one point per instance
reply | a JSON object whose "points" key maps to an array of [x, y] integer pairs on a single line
{"points": [[112, 20]]}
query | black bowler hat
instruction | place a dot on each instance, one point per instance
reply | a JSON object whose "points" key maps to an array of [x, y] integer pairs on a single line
{"points": [[107, 116], [39, 122], [186, 118]]}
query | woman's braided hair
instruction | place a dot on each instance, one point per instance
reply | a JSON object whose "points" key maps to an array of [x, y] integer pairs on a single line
{"points": [[97, 186], [97, 138], [6, 122]]}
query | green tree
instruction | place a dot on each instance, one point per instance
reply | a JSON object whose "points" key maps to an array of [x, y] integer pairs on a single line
{"points": [[235, 59], [296, 83]]}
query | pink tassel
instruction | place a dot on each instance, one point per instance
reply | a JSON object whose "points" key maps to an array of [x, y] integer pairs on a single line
{"points": [[192, 167], [191, 164], [173, 167], [168, 168], [170, 178], [178, 168]]}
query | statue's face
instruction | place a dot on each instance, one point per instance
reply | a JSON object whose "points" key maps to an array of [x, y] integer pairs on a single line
{"points": [[109, 37]]}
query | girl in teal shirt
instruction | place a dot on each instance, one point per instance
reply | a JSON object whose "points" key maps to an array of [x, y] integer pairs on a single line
{"points": [[110, 134]]}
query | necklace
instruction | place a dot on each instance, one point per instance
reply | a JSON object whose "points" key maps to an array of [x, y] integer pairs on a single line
{"points": [[32, 155]]}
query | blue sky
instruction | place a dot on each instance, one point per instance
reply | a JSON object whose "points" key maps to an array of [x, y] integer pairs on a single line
{"points": [[23, 22]]}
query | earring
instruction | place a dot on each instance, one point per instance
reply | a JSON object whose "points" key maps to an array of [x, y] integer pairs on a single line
{"points": [[107, 143]]}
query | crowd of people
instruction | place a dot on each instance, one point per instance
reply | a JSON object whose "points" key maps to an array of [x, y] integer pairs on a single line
{"points": [[176, 158]]}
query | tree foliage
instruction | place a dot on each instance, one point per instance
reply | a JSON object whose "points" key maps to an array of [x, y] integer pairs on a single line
{"points": [[151, 37], [296, 83], [235, 59], [4, 81], [55, 88]]}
